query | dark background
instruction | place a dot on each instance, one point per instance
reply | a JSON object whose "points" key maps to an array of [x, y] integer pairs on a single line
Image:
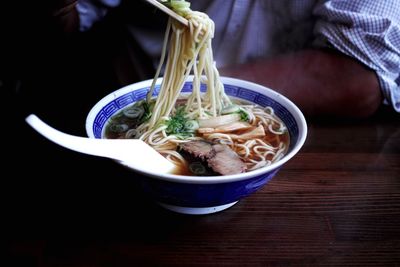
{"points": [[49, 190]]}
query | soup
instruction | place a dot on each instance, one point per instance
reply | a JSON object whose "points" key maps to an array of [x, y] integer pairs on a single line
{"points": [[255, 134], [204, 133]]}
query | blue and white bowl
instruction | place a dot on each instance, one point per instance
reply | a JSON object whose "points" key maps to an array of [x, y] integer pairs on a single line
{"points": [[195, 194]]}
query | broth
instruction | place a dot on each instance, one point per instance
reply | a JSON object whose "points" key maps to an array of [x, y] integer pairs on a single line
{"points": [[257, 150]]}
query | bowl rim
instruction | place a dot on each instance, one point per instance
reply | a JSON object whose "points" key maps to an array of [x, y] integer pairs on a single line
{"points": [[281, 99]]}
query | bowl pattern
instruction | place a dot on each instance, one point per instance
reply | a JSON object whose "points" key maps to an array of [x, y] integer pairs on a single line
{"points": [[119, 103], [193, 196], [203, 195]]}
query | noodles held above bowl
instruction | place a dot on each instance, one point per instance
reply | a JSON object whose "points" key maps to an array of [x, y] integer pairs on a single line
{"points": [[228, 136], [204, 133]]}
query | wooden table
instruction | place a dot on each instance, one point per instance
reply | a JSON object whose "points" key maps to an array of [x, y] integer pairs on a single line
{"points": [[336, 203]]}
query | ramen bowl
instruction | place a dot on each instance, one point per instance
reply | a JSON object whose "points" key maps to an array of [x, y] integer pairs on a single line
{"points": [[204, 194]]}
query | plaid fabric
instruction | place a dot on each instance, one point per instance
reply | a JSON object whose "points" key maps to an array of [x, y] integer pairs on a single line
{"points": [[368, 30]]}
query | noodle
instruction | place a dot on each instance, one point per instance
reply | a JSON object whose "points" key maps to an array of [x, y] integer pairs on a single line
{"points": [[188, 50]]}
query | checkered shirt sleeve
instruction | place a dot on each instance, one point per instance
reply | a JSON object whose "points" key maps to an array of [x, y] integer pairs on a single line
{"points": [[368, 30]]}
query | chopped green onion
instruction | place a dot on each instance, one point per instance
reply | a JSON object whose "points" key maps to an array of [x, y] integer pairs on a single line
{"points": [[181, 7], [244, 116], [191, 125], [134, 112], [230, 109], [118, 128], [197, 168]]}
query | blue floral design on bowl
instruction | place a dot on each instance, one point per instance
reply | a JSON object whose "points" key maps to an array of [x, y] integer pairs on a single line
{"points": [[203, 195]]}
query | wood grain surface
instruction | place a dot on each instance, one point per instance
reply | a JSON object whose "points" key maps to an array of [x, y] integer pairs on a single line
{"points": [[336, 203]]}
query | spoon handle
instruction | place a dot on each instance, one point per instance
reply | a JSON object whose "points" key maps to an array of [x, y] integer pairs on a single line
{"points": [[131, 152]]}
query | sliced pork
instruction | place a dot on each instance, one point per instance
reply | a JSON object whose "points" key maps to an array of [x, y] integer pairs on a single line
{"points": [[220, 158], [199, 149], [226, 161]]}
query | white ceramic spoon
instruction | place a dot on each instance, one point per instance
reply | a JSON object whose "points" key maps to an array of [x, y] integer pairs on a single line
{"points": [[133, 153]]}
